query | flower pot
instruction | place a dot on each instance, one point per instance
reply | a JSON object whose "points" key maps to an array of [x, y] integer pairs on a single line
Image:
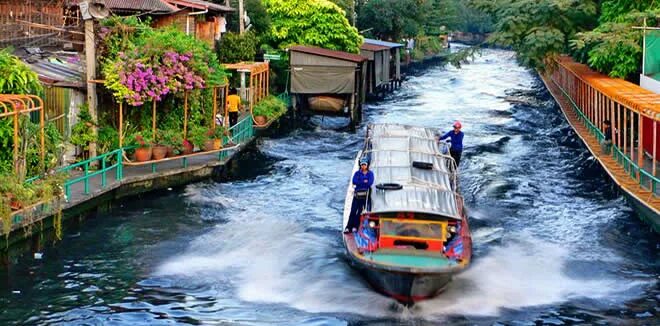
{"points": [[170, 151], [14, 203], [159, 152], [143, 154], [212, 144], [187, 148], [260, 120]]}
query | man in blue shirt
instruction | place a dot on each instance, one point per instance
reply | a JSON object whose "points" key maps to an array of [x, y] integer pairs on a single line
{"points": [[456, 137], [363, 179]]}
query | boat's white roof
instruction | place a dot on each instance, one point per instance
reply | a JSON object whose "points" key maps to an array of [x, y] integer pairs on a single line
{"points": [[392, 149]]}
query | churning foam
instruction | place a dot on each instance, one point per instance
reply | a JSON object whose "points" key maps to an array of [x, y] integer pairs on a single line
{"points": [[279, 262]]}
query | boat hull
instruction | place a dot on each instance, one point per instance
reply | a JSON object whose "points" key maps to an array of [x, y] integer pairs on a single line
{"points": [[407, 288]]}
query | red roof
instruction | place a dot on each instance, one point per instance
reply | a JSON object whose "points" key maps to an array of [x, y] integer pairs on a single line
{"points": [[373, 47], [329, 53], [199, 4], [162, 6]]}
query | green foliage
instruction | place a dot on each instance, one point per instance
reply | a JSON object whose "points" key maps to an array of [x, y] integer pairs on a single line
{"points": [[394, 19], [428, 45], [6, 145], [311, 22], [614, 47], [81, 134], [271, 107], [142, 64], [259, 18], [17, 78], [108, 139], [234, 47], [198, 136], [617, 10], [538, 30]]}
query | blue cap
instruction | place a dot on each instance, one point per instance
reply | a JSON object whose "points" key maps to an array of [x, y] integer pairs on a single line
{"points": [[364, 160]]}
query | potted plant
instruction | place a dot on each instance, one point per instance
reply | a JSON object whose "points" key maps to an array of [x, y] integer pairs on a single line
{"points": [[260, 113], [187, 147], [198, 135], [267, 109], [143, 151], [159, 150], [214, 141], [173, 141]]}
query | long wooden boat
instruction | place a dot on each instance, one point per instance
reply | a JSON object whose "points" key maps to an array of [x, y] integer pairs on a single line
{"points": [[415, 236]]}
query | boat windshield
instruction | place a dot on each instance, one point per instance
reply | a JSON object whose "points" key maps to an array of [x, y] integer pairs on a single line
{"points": [[398, 228]]}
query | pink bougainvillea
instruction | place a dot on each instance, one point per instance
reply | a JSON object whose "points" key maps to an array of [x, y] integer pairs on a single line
{"points": [[150, 80]]}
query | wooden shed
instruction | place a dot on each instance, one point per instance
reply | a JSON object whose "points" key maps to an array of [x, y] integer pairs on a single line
{"points": [[384, 72], [327, 82]]}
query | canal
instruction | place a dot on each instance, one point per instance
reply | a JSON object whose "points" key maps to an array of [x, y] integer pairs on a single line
{"points": [[554, 243]]}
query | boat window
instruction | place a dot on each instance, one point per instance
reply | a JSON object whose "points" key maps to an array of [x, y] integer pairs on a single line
{"points": [[394, 228]]}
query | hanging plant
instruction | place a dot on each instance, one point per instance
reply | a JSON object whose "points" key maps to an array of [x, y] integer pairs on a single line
{"points": [[159, 62]]}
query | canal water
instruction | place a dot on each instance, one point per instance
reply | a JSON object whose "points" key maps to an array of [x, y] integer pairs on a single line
{"points": [[554, 243]]}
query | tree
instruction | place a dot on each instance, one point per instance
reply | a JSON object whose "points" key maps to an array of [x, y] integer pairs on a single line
{"points": [[538, 30], [614, 47], [348, 6], [311, 22], [235, 47], [259, 18], [394, 19]]}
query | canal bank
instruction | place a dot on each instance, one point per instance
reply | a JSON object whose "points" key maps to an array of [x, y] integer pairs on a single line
{"points": [[89, 191], [553, 242]]}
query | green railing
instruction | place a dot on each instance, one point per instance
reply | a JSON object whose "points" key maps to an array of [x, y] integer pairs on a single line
{"points": [[645, 179], [286, 98], [240, 132], [105, 167]]}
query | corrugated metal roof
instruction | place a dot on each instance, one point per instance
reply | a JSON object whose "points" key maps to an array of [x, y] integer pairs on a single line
{"points": [[389, 45], [59, 72], [373, 47], [199, 4], [329, 53], [156, 6], [393, 151]]}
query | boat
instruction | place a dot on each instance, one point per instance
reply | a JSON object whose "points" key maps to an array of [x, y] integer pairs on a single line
{"points": [[415, 236]]}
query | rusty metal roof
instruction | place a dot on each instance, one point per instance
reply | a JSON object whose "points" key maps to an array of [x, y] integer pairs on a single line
{"points": [[373, 47], [328, 53], [199, 4], [155, 6]]}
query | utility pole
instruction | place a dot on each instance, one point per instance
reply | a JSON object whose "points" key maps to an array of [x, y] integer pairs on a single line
{"points": [[90, 60], [241, 17]]}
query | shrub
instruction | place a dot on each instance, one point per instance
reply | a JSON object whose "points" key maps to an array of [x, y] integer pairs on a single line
{"points": [[234, 47], [270, 107]]}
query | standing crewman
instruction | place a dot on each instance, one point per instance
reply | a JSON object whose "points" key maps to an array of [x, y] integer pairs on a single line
{"points": [[363, 179], [456, 137], [233, 103]]}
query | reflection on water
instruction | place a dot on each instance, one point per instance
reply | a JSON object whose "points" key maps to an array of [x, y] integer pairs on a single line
{"points": [[554, 243]]}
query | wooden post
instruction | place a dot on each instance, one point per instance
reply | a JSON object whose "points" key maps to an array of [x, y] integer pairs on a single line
{"points": [[185, 115], [625, 131], [655, 143], [42, 125], [268, 80], [153, 119], [121, 124], [640, 141], [90, 59], [16, 113], [226, 106], [612, 121], [215, 106], [632, 135], [241, 18]]}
